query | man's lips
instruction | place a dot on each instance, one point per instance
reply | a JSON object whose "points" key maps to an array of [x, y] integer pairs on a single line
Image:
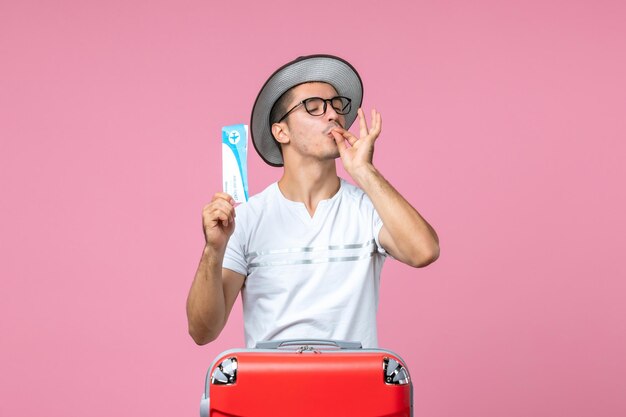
{"points": [[328, 130]]}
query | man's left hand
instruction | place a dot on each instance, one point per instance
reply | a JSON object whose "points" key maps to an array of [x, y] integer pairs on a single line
{"points": [[360, 153]]}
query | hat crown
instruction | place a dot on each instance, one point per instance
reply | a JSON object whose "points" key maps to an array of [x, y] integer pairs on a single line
{"points": [[310, 68]]}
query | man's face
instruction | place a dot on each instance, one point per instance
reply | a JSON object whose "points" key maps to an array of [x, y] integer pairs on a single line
{"points": [[310, 135]]}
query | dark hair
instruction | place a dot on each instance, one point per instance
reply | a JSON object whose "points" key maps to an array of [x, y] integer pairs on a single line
{"points": [[280, 106]]}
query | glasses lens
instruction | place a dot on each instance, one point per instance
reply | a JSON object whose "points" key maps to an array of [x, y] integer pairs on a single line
{"points": [[314, 106], [341, 104]]}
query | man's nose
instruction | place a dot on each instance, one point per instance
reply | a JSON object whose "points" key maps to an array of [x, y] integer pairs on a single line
{"points": [[331, 113]]}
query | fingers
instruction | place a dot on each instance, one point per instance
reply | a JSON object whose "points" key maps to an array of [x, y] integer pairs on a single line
{"points": [[214, 215], [377, 123], [220, 209], [226, 202], [223, 196], [362, 123], [346, 135], [365, 132], [340, 140]]}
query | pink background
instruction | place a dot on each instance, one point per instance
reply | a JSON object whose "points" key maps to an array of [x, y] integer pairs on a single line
{"points": [[504, 124]]}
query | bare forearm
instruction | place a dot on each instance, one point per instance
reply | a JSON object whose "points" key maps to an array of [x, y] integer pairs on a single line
{"points": [[405, 233], [414, 239], [205, 304]]}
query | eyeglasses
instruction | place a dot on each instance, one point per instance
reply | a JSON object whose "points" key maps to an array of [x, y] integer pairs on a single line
{"points": [[316, 106]]}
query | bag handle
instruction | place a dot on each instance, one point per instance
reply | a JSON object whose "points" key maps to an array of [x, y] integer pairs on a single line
{"points": [[275, 344]]}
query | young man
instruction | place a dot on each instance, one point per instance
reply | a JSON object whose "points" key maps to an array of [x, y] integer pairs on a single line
{"points": [[306, 253]]}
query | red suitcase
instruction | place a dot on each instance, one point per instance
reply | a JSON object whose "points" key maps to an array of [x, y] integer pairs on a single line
{"points": [[299, 378]]}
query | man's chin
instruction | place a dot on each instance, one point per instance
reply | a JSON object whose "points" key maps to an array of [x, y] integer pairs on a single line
{"points": [[335, 154], [331, 156]]}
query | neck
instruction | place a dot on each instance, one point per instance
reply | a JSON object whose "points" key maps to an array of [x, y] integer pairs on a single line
{"points": [[310, 183]]}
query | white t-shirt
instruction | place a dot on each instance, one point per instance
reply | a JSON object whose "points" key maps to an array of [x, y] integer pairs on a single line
{"points": [[308, 277]]}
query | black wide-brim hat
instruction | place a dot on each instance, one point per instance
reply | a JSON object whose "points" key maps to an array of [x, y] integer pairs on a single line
{"points": [[321, 68]]}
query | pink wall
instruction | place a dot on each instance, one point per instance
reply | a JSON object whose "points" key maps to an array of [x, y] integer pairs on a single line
{"points": [[503, 124]]}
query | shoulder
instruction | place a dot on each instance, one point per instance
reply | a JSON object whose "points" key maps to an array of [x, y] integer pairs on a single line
{"points": [[258, 201], [351, 194], [250, 212]]}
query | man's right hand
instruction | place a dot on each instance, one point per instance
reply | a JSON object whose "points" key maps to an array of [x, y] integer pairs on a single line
{"points": [[218, 220], [214, 288]]}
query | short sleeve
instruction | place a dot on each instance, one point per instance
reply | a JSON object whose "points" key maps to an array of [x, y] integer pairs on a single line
{"points": [[376, 223]]}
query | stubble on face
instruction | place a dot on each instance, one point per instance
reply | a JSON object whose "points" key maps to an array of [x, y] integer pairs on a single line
{"points": [[310, 135]]}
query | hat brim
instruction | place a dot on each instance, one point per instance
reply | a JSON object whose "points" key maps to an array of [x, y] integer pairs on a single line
{"points": [[321, 68]]}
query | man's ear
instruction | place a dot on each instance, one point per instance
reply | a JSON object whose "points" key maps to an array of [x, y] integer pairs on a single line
{"points": [[280, 132]]}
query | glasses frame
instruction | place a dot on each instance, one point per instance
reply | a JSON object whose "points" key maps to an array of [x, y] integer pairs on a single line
{"points": [[325, 100]]}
